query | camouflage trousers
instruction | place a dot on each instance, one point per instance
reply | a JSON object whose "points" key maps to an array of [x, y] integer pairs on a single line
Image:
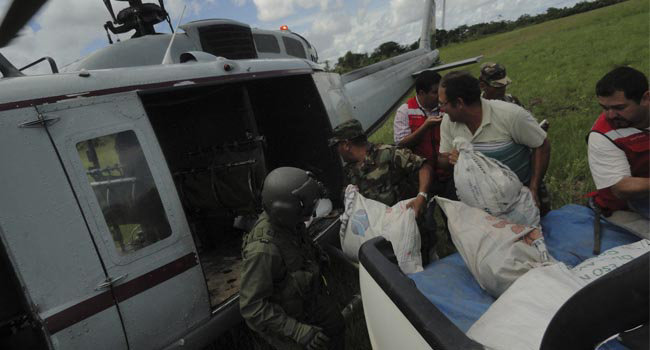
{"points": [[427, 222]]}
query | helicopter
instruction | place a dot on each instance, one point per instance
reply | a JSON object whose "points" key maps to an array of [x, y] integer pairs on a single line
{"points": [[138, 168]]}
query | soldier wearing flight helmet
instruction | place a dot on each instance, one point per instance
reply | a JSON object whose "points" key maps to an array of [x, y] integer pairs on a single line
{"points": [[281, 296]]}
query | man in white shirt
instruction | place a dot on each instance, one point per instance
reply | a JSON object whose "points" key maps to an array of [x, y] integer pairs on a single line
{"points": [[619, 142], [498, 129]]}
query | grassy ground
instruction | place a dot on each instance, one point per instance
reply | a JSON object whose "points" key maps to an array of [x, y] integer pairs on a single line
{"points": [[554, 67]]}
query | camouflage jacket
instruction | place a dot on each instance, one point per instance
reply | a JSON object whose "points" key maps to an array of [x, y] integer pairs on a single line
{"points": [[388, 174], [280, 277]]}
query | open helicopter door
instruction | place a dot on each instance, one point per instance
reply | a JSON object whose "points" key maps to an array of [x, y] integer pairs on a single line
{"points": [[128, 196], [49, 248]]}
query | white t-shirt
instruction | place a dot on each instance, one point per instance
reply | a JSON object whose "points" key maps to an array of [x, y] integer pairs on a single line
{"points": [[607, 162], [501, 122]]}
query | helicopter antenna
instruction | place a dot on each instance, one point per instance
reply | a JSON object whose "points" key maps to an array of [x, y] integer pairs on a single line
{"points": [[168, 57]]}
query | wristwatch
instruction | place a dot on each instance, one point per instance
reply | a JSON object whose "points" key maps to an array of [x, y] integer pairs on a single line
{"points": [[424, 194]]}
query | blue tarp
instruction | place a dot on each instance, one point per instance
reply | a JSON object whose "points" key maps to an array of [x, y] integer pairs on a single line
{"points": [[569, 236]]}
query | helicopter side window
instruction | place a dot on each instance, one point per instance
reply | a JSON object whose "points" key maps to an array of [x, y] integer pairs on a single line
{"points": [[294, 47], [266, 43], [119, 175]]}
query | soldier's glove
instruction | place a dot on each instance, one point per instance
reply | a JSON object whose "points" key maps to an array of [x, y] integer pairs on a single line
{"points": [[315, 340]]}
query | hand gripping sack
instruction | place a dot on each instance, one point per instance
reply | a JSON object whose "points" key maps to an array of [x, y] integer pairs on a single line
{"points": [[496, 251], [485, 183], [364, 219]]}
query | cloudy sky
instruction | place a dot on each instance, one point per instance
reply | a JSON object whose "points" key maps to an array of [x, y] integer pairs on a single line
{"points": [[69, 29]]}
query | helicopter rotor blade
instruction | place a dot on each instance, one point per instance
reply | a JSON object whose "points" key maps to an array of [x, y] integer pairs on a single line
{"points": [[110, 9], [19, 13]]}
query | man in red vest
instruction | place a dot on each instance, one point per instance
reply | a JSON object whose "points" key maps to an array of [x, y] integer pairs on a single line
{"points": [[417, 127], [619, 143]]}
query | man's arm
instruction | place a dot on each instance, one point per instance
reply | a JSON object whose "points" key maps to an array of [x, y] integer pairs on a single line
{"points": [[401, 127], [446, 147], [610, 169], [424, 181], [408, 162], [540, 158], [415, 137], [632, 188], [448, 160]]}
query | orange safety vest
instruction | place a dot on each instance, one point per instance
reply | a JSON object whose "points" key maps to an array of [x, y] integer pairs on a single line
{"points": [[429, 145]]}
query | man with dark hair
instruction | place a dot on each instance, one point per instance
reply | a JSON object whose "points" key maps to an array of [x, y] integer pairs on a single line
{"points": [[417, 127], [618, 144], [417, 122], [498, 129], [385, 173], [493, 82]]}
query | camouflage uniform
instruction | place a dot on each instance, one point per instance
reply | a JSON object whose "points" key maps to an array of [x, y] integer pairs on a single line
{"points": [[387, 173], [494, 75], [513, 99], [280, 295]]}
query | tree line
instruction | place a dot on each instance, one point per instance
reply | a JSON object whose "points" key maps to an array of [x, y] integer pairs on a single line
{"points": [[351, 61]]}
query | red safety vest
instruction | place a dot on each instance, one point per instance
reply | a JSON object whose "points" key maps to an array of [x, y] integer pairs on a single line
{"points": [[429, 145], [636, 145]]}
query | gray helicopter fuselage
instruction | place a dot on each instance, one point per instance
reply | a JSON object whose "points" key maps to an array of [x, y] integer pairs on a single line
{"points": [[219, 37], [90, 291], [128, 183]]}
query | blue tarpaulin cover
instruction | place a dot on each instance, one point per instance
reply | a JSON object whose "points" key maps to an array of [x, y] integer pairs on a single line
{"points": [[569, 236]]}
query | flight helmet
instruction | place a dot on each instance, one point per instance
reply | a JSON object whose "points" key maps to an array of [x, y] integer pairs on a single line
{"points": [[290, 195]]}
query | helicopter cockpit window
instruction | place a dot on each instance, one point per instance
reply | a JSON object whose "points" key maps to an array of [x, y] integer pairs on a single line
{"points": [[266, 43], [294, 47], [119, 175]]}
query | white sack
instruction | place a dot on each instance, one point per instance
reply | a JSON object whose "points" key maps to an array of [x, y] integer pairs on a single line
{"points": [[494, 250], [519, 318], [487, 184], [365, 218]]}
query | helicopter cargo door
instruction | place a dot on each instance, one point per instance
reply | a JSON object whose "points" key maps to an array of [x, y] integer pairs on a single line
{"points": [[126, 190], [50, 255]]}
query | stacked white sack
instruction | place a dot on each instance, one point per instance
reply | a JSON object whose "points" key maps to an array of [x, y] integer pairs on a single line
{"points": [[519, 318], [496, 251], [365, 218], [485, 183]]}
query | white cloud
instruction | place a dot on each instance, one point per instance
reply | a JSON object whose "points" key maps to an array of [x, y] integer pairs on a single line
{"points": [[366, 28], [400, 21], [270, 10], [65, 29], [405, 11], [63, 34]]}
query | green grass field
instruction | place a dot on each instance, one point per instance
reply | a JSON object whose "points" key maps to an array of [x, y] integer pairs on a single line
{"points": [[554, 67]]}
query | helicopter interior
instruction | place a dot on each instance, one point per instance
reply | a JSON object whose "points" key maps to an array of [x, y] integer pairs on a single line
{"points": [[220, 141], [17, 329]]}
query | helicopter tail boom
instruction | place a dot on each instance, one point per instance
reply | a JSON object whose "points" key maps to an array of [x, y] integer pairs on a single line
{"points": [[428, 24]]}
